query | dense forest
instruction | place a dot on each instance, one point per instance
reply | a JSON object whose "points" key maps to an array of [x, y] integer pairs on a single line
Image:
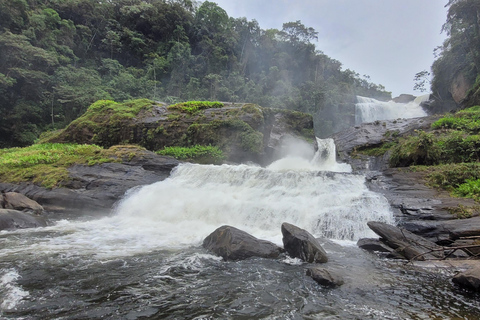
{"points": [[59, 56], [459, 54]]}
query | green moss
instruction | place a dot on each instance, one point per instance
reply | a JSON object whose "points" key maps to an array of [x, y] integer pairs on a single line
{"points": [[192, 107], [47, 164], [464, 212], [197, 153]]}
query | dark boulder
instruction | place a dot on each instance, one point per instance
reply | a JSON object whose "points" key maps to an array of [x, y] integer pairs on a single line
{"points": [[324, 277], [469, 279], [299, 243], [14, 219], [233, 244], [410, 245]]}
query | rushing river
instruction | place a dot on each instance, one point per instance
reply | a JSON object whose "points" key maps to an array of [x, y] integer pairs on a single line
{"points": [[145, 261]]}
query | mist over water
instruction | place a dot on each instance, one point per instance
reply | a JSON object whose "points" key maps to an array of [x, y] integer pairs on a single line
{"points": [[369, 109]]}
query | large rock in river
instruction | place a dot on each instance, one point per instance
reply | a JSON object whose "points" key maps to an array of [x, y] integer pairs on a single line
{"points": [[233, 244], [244, 132], [299, 243]]}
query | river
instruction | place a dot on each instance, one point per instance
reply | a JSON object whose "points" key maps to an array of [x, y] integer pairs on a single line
{"points": [[144, 260]]}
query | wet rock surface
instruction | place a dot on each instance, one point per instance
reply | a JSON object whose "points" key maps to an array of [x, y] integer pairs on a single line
{"points": [[325, 277], [299, 243], [233, 244], [14, 219]]}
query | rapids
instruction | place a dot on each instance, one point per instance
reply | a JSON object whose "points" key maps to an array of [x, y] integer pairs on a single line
{"points": [[145, 260]]}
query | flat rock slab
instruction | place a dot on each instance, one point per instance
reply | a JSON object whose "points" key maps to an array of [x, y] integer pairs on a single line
{"points": [[233, 244], [299, 243], [408, 244]]}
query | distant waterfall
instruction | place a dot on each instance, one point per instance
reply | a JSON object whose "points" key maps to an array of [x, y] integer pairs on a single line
{"points": [[369, 109]]}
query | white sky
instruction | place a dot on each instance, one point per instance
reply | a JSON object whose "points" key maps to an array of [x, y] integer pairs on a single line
{"points": [[389, 40]]}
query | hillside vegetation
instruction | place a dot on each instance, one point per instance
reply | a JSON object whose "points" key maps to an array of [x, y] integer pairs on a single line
{"points": [[59, 56]]}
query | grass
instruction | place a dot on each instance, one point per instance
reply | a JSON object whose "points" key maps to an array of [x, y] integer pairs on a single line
{"points": [[47, 164]]}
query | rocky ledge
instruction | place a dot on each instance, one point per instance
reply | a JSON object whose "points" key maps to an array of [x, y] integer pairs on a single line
{"points": [[93, 190], [427, 227]]}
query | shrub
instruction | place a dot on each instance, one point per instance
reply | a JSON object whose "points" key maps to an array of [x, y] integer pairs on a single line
{"points": [[469, 189], [420, 149]]}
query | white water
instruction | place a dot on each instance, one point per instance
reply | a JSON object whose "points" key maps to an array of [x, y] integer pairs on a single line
{"points": [[196, 199], [12, 294], [369, 110]]}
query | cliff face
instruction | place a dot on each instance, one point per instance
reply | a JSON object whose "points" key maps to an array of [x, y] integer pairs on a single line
{"points": [[244, 132]]}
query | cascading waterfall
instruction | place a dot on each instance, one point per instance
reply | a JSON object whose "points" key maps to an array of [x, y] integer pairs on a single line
{"points": [[369, 109], [145, 260]]}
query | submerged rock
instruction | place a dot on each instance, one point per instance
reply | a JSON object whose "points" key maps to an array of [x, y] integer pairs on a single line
{"points": [[324, 277], [299, 243], [409, 245], [14, 219], [233, 244]]}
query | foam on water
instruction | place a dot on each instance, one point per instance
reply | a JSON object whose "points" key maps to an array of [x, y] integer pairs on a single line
{"points": [[12, 293]]}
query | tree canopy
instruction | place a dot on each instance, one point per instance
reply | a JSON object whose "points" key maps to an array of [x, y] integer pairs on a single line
{"points": [[59, 56]]}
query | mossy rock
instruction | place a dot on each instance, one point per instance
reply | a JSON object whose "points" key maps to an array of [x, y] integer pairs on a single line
{"points": [[243, 132]]}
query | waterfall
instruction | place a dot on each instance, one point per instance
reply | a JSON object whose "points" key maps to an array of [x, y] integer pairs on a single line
{"points": [[319, 195], [369, 109], [197, 199]]}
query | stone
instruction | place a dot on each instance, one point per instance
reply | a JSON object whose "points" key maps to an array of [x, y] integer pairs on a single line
{"points": [[372, 244], [410, 245], [325, 277], [233, 244], [469, 279], [299, 243], [18, 201], [14, 219]]}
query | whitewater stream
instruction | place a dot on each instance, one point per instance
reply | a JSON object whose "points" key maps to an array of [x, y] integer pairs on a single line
{"points": [[145, 261]]}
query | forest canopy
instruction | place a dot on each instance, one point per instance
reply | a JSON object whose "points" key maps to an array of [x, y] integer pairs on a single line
{"points": [[59, 56]]}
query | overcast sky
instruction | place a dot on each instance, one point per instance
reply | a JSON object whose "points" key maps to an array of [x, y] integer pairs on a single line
{"points": [[388, 40]]}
